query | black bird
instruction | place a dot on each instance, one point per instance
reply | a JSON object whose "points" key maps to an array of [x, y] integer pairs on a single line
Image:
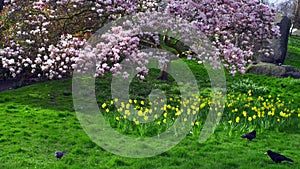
{"points": [[277, 158], [59, 154], [283, 85], [250, 135]]}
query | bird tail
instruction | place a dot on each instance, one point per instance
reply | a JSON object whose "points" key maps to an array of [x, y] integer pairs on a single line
{"points": [[288, 159], [244, 136]]}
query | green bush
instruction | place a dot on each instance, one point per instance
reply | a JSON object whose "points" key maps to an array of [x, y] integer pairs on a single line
{"points": [[244, 85]]}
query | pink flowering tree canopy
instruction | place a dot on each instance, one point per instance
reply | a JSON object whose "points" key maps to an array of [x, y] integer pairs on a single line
{"points": [[48, 38]]}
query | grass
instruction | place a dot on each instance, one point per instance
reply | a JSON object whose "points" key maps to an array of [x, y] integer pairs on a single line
{"points": [[293, 52], [30, 135], [33, 128], [37, 120]]}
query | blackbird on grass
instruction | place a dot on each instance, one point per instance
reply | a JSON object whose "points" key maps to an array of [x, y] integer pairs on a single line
{"points": [[59, 154], [277, 158], [250, 135]]}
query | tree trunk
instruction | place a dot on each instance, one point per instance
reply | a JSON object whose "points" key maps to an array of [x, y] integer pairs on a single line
{"points": [[297, 16], [291, 30], [1, 5], [164, 73]]}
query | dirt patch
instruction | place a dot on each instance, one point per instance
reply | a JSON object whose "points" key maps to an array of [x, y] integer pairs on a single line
{"points": [[11, 84], [7, 85]]}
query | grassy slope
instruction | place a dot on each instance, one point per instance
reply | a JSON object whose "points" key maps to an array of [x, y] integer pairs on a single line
{"points": [[37, 120], [31, 133], [293, 57]]}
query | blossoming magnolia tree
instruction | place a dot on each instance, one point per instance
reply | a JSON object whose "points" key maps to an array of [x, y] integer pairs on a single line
{"points": [[45, 38]]}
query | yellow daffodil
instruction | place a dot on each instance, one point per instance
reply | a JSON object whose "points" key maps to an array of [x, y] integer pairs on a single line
{"points": [[194, 112], [270, 113], [219, 114], [137, 122], [188, 111], [140, 113], [250, 93], [282, 114], [202, 105], [165, 121], [244, 113], [127, 112], [165, 108], [116, 100], [146, 118], [123, 105], [249, 118], [103, 105], [178, 113], [237, 119]]}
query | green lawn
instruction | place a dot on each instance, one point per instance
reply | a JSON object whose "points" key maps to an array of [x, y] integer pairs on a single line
{"points": [[39, 119], [293, 57]]}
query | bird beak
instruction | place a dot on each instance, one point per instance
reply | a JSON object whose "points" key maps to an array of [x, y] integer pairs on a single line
{"points": [[265, 153]]}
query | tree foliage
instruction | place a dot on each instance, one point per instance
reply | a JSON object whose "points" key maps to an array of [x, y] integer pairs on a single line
{"points": [[291, 9], [45, 38]]}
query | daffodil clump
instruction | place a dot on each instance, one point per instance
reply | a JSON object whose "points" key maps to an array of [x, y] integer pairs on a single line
{"points": [[239, 110], [155, 115], [263, 112]]}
